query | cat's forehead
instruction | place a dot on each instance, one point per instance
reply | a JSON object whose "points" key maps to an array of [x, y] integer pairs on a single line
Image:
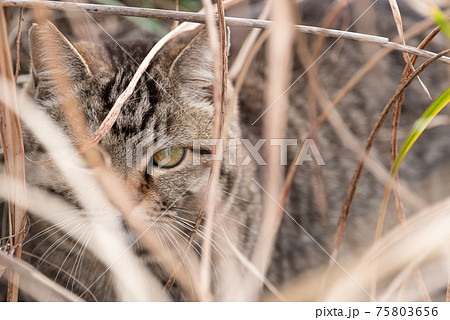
{"points": [[157, 104], [160, 102], [173, 97]]}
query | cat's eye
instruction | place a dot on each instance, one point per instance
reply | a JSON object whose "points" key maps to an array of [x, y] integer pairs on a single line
{"points": [[169, 157]]}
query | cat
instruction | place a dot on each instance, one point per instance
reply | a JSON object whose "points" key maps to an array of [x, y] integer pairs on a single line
{"points": [[173, 105], [174, 101]]}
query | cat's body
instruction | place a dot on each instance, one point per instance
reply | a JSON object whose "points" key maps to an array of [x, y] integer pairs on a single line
{"points": [[178, 107]]}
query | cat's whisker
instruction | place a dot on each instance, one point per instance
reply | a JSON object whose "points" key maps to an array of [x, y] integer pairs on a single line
{"points": [[71, 277], [59, 214], [76, 268], [179, 249], [185, 238], [58, 243], [47, 230], [182, 260], [51, 249], [54, 229], [191, 225], [212, 242], [70, 252], [221, 215], [161, 236], [236, 197]]}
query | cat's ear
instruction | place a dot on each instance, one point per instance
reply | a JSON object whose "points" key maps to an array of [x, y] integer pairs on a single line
{"points": [[193, 68], [52, 53]]}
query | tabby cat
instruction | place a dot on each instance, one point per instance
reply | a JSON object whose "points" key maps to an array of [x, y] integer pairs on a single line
{"points": [[172, 106]]}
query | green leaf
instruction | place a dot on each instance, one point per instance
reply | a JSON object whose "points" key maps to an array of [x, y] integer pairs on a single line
{"points": [[150, 25], [421, 125], [441, 20], [192, 5]]}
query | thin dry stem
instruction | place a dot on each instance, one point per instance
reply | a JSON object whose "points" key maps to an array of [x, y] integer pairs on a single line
{"points": [[279, 60], [33, 282], [201, 18], [426, 239], [11, 138], [417, 29], [399, 24], [447, 296], [177, 8], [107, 237], [412, 198], [219, 51], [357, 174], [247, 46], [112, 188], [302, 48], [19, 32], [68, 274], [394, 151]]}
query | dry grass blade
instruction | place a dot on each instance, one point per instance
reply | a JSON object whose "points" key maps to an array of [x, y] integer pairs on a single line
{"points": [[247, 46], [406, 232], [68, 274], [302, 48], [177, 8], [200, 18], [447, 296], [220, 69], [11, 138], [244, 70], [19, 32], [279, 60], [396, 121], [34, 283], [394, 151], [343, 91], [399, 24], [417, 29], [334, 14], [219, 52], [110, 189], [424, 236], [218, 47], [252, 268], [357, 174]]}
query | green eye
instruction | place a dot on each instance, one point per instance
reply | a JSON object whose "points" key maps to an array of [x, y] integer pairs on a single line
{"points": [[169, 157]]}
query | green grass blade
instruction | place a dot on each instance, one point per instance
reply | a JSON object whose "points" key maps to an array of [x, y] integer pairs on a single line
{"points": [[441, 20], [150, 25], [421, 125]]}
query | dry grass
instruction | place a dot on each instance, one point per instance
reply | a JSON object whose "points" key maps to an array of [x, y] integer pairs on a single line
{"points": [[13, 152]]}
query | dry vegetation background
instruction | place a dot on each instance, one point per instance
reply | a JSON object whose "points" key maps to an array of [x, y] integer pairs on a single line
{"points": [[381, 264]]}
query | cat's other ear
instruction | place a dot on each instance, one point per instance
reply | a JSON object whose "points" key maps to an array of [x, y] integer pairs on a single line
{"points": [[193, 68], [52, 54]]}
